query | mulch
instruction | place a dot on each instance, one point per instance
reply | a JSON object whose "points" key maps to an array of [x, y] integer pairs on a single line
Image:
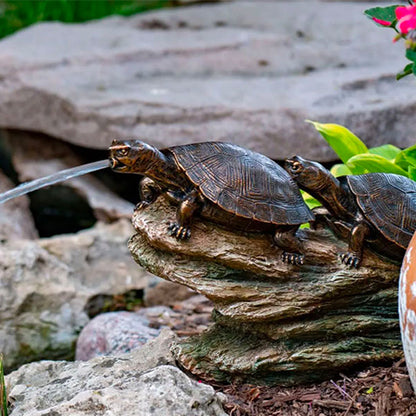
{"points": [[375, 391]]}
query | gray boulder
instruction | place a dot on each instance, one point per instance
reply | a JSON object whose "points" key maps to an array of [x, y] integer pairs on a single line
{"points": [[144, 382], [46, 286], [16, 221], [248, 72]]}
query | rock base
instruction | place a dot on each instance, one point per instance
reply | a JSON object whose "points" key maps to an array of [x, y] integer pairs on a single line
{"points": [[274, 323]]}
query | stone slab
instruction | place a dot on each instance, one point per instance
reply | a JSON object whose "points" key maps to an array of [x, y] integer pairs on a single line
{"points": [[247, 72]]}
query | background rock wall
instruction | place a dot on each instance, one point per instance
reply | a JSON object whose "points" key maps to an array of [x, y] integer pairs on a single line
{"points": [[249, 72]]}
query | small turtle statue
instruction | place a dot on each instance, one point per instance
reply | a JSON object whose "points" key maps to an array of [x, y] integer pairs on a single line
{"points": [[377, 208], [221, 182]]}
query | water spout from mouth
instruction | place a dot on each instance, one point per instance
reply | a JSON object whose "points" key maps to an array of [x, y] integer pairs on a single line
{"points": [[57, 177]]}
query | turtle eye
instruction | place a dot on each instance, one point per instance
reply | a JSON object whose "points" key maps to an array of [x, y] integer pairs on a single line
{"points": [[123, 152], [295, 166]]}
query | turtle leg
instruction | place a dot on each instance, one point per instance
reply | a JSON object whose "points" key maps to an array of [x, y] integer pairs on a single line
{"points": [[358, 234], [181, 229], [148, 191], [321, 218], [287, 240]]}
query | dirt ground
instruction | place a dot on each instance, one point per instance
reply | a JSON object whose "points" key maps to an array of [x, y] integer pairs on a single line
{"points": [[376, 391]]}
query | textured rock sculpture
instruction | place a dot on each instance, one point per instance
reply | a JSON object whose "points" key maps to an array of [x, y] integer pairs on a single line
{"points": [[274, 323]]}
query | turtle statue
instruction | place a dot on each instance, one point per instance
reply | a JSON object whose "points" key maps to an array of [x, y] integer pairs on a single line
{"points": [[222, 182], [376, 208]]}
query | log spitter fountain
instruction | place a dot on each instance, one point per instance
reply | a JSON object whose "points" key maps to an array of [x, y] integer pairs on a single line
{"points": [[275, 322]]}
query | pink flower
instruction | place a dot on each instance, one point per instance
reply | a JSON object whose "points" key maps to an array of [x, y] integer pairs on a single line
{"points": [[407, 18], [382, 22]]}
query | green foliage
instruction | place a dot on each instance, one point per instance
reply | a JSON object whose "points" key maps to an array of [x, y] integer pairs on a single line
{"points": [[412, 172], [3, 392], [407, 70], [17, 14], [345, 143], [340, 170], [311, 202], [367, 163], [383, 13], [408, 156], [388, 151], [386, 17], [358, 159]]}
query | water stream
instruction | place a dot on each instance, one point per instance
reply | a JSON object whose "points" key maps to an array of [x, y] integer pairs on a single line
{"points": [[57, 177]]}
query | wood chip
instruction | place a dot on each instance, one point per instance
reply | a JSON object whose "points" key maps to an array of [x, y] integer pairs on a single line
{"points": [[332, 404]]}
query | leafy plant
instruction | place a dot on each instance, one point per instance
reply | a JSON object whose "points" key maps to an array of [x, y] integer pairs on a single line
{"points": [[358, 159], [344, 142], [3, 392], [402, 20], [17, 14]]}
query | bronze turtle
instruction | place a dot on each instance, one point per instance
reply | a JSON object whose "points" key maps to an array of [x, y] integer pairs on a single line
{"points": [[222, 182], [377, 208]]}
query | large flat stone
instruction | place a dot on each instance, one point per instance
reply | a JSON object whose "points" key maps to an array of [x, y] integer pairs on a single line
{"points": [[247, 72]]}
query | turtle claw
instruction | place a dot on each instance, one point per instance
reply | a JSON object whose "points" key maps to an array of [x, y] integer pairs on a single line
{"points": [[142, 205], [350, 259], [180, 232], [292, 258]]}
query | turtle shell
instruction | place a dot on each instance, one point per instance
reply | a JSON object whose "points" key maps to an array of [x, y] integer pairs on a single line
{"points": [[242, 182], [388, 201]]}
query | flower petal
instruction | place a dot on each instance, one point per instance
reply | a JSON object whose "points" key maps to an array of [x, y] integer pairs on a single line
{"points": [[403, 11], [406, 24], [382, 22]]}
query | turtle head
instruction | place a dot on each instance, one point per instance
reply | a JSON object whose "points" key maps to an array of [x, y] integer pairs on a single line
{"points": [[309, 175], [131, 156]]}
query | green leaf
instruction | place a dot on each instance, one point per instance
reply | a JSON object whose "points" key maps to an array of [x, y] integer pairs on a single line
{"points": [[401, 161], [310, 201], [368, 163], [407, 70], [383, 13], [411, 55], [370, 390], [340, 170], [3, 392], [412, 172], [344, 143], [408, 155], [388, 151]]}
